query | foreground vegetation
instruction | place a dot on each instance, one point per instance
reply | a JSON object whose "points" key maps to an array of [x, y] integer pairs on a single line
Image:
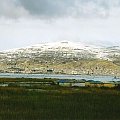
{"points": [[59, 103]]}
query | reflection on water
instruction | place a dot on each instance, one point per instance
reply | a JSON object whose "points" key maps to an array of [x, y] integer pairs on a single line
{"points": [[59, 76]]}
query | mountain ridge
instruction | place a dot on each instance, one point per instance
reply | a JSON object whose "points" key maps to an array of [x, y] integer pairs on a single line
{"points": [[48, 56]]}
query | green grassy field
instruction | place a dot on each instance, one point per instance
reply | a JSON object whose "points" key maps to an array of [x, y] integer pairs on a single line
{"points": [[59, 104]]}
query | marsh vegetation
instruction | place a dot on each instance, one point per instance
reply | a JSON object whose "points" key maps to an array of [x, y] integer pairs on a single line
{"points": [[58, 103]]}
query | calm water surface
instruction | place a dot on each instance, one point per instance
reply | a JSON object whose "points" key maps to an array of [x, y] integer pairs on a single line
{"points": [[59, 76]]}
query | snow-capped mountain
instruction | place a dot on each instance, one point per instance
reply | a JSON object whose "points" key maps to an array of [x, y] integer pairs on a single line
{"points": [[63, 49], [62, 58]]}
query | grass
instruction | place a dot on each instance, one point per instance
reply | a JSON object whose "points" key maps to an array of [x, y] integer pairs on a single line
{"points": [[26, 80], [66, 104]]}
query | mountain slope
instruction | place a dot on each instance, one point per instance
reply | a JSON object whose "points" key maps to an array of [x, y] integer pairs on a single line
{"points": [[62, 57]]}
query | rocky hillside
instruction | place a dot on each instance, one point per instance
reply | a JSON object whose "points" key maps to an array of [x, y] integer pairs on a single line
{"points": [[62, 57]]}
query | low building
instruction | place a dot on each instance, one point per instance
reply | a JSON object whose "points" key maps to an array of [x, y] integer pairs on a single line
{"points": [[66, 83], [110, 84], [71, 83], [79, 83], [92, 83]]}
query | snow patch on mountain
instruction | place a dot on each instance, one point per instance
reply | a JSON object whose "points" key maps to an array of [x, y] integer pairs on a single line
{"points": [[66, 48]]}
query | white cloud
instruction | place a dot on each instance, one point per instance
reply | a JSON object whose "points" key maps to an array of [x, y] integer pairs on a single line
{"points": [[58, 8], [10, 9], [91, 31], [88, 21]]}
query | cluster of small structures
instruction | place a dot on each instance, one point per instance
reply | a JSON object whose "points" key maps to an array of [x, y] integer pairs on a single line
{"points": [[26, 84], [62, 82], [89, 83]]}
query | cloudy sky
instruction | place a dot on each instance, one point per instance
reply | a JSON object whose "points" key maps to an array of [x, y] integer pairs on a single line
{"points": [[27, 22]]}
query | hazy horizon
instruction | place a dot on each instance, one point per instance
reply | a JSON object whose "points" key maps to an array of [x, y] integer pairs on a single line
{"points": [[28, 22]]}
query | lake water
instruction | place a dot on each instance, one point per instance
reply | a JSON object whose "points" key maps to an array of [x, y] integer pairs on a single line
{"points": [[59, 76]]}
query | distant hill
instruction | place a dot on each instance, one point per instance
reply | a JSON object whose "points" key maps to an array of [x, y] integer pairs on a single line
{"points": [[62, 57]]}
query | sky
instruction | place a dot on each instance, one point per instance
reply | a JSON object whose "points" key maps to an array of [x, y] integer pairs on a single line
{"points": [[28, 22]]}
